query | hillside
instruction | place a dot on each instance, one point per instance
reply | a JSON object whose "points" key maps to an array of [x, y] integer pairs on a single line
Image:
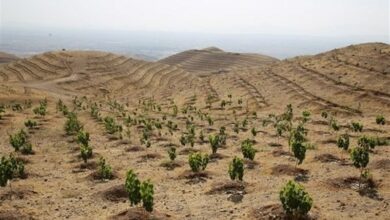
{"points": [[136, 110], [6, 57], [215, 60]]}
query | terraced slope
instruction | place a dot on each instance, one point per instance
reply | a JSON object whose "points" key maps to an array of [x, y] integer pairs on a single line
{"points": [[70, 73], [352, 84], [215, 60], [6, 57]]}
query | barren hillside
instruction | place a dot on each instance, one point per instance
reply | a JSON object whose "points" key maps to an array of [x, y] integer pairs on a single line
{"points": [[6, 57], [159, 105], [215, 60]]}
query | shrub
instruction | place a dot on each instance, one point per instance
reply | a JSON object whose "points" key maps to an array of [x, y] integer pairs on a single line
{"points": [[298, 134], [380, 120], [254, 132], [214, 143], [210, 120], [30, 124], [236, 127], [367, 142], [147, 192], [86, 152], [5, 171], [105, 170], [201, 136], [72, 124], [324, 115], [360, 158], [172, 153], [356, 127], [198, 161], [16, 107], [132, 186], [18, 140], [299, 150], [111, 126], [83, 138], [9, 169], [236, 169], [26, 148], [306, 116], [41, 109], [334, 125], [295, 200], [343, 142], [247, 150], [138, 191], [95, 111], [244, 123]]}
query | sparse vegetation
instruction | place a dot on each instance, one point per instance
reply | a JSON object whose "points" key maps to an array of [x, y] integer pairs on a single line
{"points": [[214, 141], [30, 124], [105, 170], [380, 120], [247, 149], [139, 192], [356, 127], [198, 161], [360, 158], [236, 169], [295, 200], [172, 153], [10, 168], [72, 124]]}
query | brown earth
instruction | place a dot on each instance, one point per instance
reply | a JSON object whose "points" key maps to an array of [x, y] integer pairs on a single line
{"points": [[351, 83]]}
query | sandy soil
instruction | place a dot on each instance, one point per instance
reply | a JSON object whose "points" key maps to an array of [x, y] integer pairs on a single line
{"points": [[351, 83]]}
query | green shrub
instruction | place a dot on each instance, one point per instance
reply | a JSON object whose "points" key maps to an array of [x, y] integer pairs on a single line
{"points": [[210, 120], [26, 148], [201, 136], [254, 132], [334, 125], [343, 142], [360, 158], [367, 142], [214, 143], [306, 116], [356, 127], [236, 169], [198, 161], [236, 127], [247, 150], [380, 120], [30, 124], [299, 150], [147, 192], [138, 191], [17, 107], [111, 126], [132, 186], [72, 124], [172, 153], [86, 152], [324, 115], [295, 200], [41, 109], [18, 140], [10, 168], [83, 138], [105, 170]]}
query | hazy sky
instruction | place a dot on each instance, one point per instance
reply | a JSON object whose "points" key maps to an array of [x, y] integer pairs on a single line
{"points": [[284, 17]]}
